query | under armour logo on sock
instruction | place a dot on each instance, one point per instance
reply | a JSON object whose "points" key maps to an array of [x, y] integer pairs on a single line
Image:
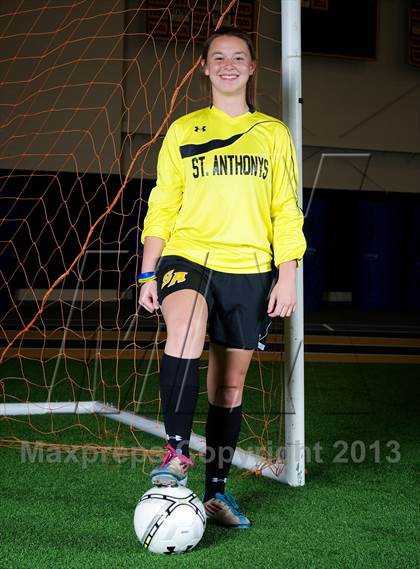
{"points": [[174, 437]]}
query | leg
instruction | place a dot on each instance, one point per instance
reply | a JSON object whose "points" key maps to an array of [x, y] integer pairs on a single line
{"points": [[183, 296], [185, 314], [226, 375], [225, 382]]}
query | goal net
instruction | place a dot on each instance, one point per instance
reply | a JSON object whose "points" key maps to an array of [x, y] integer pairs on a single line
{"points": [[87, 92]]}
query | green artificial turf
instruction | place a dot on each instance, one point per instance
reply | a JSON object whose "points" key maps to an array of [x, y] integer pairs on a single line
{"points": [[353, 512]]}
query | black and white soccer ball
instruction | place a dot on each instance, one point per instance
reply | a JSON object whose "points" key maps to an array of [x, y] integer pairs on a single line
{"points": [[169, 520]]}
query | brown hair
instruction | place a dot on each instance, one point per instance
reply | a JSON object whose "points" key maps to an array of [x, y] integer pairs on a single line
{"points": [[237, 33]]}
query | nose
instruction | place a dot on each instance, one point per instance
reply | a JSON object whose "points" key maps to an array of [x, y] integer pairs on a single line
{"points": [[228, 62]]}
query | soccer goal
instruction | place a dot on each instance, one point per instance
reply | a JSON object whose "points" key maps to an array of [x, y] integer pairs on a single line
{"points": [[87, 94]]}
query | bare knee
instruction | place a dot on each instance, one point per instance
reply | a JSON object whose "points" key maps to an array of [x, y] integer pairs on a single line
{"points": [[228, 397], [229, 392]]}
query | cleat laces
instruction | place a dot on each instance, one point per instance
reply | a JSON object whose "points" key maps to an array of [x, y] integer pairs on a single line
{"points": [[171, 453], [232, 503]]}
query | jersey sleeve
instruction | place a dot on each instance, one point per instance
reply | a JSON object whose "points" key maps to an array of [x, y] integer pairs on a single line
{"points": [[286, 216], [166, 197]]}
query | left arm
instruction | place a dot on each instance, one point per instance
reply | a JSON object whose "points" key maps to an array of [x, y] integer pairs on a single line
{"points": [[289, 242]]}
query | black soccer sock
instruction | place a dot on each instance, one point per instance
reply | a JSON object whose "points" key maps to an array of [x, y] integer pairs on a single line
{"points": [[222, 432], [179, 386]]}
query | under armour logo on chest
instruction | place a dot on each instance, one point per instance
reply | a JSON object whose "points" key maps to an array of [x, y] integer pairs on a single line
{"points": [[197, 128]]}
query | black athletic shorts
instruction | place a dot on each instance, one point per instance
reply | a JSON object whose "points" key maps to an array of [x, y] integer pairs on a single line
{"points": [[237, 303]]}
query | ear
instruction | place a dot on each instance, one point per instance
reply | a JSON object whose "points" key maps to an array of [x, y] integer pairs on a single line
{"points": [[204, 67], [252, 67]]}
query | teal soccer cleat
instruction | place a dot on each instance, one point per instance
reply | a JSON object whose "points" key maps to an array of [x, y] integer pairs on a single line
{"points": [[224, 511]]}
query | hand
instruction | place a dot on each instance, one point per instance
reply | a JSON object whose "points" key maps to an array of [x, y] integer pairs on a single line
{"points": [[282, 300], [148, 297]]}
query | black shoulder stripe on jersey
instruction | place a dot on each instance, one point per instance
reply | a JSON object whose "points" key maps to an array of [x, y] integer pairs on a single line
{"points": [[189, 150]]}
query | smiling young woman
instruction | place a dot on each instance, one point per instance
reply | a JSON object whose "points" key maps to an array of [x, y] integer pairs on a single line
{"points": [[222, 240]]}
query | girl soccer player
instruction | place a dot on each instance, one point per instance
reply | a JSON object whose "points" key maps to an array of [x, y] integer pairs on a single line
{"points": [[223, 212]]}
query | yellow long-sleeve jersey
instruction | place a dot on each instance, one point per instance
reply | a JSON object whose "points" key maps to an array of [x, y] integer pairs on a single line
{"points": [[226, 192]]}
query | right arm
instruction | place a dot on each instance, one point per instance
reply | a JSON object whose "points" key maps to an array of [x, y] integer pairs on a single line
{"points": [[165, 199], [164, 204]]}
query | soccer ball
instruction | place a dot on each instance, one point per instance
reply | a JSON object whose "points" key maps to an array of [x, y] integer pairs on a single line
{"points": [[169, 520]]}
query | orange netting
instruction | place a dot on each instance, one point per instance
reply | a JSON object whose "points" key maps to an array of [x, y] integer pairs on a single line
{"points": [[87, 90]]}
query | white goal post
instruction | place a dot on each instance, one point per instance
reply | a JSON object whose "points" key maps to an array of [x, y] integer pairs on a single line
{"points": [[294, 329]]}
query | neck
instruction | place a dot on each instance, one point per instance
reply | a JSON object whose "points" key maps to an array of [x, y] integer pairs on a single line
{"points": [[232, 106]]}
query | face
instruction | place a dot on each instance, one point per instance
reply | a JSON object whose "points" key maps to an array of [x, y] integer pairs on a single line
{"points": [[229, 65]]}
